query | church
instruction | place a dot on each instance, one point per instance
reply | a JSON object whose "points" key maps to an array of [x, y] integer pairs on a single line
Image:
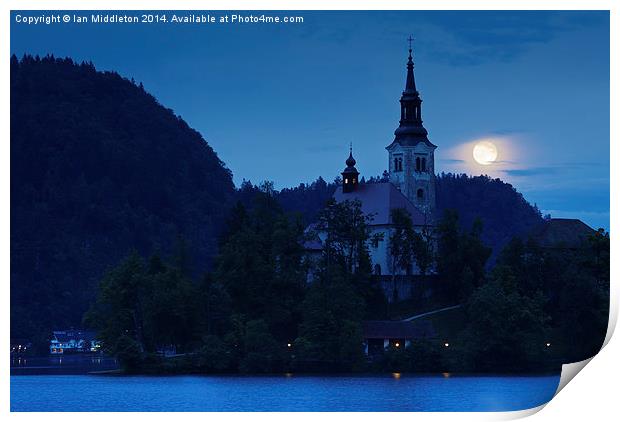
{"points": [[411, 187]]}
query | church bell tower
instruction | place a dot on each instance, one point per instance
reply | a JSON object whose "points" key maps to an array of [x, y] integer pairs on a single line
{"points": [[350, 174], [411, 154]]}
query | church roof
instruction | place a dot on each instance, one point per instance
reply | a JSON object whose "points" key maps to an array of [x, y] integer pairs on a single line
{"points": [[67, 335], [379, 199], [396, 330], [312, 242], [562, 233]]}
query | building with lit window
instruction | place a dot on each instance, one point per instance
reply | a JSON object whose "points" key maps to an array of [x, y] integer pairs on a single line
{"points": [[380, 336], [73, 341]]}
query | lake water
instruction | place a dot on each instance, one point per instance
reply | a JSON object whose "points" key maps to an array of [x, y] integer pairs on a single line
{"points": [[391, 392]]}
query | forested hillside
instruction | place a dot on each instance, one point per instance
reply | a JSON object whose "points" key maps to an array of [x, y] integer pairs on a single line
{"points": [[504, 212], [99, 167]]}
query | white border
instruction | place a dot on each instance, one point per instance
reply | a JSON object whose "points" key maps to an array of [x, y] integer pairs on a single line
{"points": [[590, 396]]}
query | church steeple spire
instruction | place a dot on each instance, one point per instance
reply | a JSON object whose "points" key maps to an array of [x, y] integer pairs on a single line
{"points": [[410, 85], [411, 159], [410, 130]]}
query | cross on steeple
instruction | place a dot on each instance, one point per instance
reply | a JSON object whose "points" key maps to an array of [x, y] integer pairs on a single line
{"points": [[410, 39]]}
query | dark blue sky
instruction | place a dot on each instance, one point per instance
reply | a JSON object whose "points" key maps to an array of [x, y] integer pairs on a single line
{"points": [[282, 102]]}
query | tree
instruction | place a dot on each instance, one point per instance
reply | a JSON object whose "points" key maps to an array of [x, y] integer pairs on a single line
{"points": [[423, 249], [171, 310], [347, 232], [119, 310], [260, 266], [461, 256], [330, 333], [334, 306], [262, 351], [251, 348], [216, 306], [506, 330], [145, 307], [575, 287], [214, 356], [401, 245]]}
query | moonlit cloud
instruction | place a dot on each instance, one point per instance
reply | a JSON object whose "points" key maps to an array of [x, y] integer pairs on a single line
{"points": [[462, 161], [534, 171]]}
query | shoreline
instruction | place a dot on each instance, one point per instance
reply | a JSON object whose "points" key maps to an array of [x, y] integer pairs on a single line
{"points": [[121, 373]]}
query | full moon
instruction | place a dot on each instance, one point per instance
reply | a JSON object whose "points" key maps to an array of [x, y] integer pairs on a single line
{"points": [[485, 153]]}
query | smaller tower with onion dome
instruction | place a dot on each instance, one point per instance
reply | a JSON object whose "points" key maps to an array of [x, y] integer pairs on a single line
{"points": [[350, 174]]}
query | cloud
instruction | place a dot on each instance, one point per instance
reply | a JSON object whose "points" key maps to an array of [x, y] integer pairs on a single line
{"points": [[533, 171], [559, 168], [474, 37], [451, 160], [581, 164], [506, 132]]}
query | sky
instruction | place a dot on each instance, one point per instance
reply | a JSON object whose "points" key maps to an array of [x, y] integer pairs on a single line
{"points": [[282, 102]]}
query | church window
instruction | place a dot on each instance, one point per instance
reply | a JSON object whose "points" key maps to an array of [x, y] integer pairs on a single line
{"points": [[377, 269], [346, 181], [417, 164], [398, 163], [420, 194], [423, 164]]}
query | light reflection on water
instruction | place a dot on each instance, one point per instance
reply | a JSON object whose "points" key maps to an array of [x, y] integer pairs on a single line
{"points": [[287, 392], [58, 365]]}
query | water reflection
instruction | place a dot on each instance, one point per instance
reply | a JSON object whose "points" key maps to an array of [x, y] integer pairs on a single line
{"points": [[69, 364]]}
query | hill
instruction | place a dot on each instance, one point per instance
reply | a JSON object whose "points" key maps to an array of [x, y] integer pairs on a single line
{"points": [[504, 212], [99, 167]]}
